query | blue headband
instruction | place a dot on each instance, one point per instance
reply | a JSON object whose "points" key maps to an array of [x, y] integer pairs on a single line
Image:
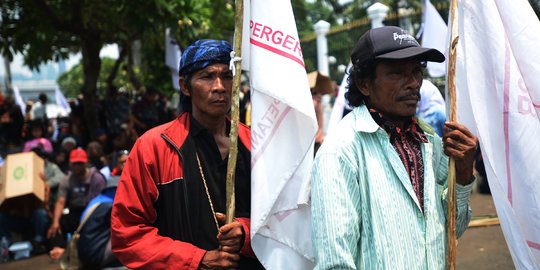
{"points": [[203, 53]]}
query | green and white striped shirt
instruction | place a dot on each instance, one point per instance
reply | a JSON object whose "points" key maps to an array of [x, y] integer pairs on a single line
{"points": [[365, 214]]}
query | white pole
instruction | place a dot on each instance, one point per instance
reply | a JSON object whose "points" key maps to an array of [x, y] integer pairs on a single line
{"points": [[376, 13], [321, 29]]}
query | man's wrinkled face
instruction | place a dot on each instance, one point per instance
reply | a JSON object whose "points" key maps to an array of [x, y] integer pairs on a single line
{"points": [[211, 89], [395, 89]]}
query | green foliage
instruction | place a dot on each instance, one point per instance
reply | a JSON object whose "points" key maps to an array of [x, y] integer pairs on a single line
{"points": [[50, 30], [72, 81]]}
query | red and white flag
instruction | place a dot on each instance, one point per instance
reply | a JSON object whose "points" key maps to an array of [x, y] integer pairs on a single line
{"points": [[498, 95], [282, 135]]}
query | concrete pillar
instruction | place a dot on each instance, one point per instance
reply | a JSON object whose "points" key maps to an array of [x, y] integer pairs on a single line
{"points": [[376, 13], [321, 29]]}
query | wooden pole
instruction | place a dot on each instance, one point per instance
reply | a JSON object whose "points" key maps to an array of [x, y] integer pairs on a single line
{"points": [[235, 104], [451, 221]]}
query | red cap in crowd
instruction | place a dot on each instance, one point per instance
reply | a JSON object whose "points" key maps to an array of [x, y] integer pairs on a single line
{"points": [[78, 155]]}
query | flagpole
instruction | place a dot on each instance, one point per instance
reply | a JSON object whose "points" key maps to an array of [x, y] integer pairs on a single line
{"points": [[452, 243], [235, 104]]}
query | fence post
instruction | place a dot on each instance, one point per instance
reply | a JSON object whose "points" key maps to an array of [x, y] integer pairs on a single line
{"points": [[321, 29], [376, 13]]}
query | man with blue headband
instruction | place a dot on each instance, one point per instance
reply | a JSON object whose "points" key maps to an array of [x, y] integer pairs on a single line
{"points": [[168, 205]]}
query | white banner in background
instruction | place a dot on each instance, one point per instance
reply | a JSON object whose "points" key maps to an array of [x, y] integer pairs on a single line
{"points": [[18, 98], [282, 136], [498, 95], [340, 104], [434, 35], [172, 57], [61, 99]]}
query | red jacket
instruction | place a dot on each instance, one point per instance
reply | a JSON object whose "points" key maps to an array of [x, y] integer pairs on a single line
{"points": [[155, 162]]}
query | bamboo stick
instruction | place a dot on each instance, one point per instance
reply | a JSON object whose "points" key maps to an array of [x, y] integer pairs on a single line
{"points": [[235, 104], [451, 221], [484, 222]]}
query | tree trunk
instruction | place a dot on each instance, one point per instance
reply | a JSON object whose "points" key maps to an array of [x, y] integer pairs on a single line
{"points": [[91, 46], [116, 67]]}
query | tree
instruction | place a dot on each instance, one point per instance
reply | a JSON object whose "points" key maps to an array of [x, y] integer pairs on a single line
{"points": [[45, 30], [72, 81]]}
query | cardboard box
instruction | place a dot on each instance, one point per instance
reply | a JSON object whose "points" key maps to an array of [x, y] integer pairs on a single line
{"points": [[21, 187]]}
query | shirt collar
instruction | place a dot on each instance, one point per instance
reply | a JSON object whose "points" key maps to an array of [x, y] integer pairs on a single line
{"points": [[411, 127], [363, 120], [196, 127]]}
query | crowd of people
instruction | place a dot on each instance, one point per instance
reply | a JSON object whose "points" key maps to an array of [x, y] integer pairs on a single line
{"points": [[79, 166], [379, 192]]}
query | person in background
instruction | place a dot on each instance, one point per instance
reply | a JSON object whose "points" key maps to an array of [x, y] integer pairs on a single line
{"points": [[245, 104], [37, 137], [166, 213], [320, 85], [34, 226], [28, 111], [96, 157], [11, 126], [379, 181], [431, 108], [146, 113], [126, 139], [53, 175], [94, 245], [80, 186], [39, 109], [104, 141], [116, 110], [61, 155]]}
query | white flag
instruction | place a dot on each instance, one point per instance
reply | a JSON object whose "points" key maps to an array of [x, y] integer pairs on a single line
{"points": [[61, 99], [434, 35], [498, 95], [282, 136], [172, 57], [18, 98]]}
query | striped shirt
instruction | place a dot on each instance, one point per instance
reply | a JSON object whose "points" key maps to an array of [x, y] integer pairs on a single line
{"points": [[365, 213]]}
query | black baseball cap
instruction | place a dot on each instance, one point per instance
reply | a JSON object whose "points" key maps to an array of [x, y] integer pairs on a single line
{"points": [[392, 43]]}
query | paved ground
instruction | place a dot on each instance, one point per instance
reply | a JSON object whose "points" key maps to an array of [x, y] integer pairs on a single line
{"points": [[483, 248], [479, 248]]}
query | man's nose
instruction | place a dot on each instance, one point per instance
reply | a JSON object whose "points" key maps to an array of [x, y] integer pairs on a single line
{"points": [[218, 84], [414, 81]]}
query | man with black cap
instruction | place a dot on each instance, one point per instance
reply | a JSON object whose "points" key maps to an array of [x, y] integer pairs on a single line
{"points": [[166, 214], [379, 183]]}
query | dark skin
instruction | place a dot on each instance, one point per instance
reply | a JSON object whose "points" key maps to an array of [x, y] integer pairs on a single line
{"points": [[231, 238], [210, 91], [395, 90]]}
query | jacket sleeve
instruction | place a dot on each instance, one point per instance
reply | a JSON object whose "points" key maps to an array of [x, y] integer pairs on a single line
{"points": [[246, 247], [135, 241]]}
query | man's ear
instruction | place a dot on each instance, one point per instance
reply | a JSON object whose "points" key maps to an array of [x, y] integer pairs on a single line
{"points": [[364, 86], [183, 86]]}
